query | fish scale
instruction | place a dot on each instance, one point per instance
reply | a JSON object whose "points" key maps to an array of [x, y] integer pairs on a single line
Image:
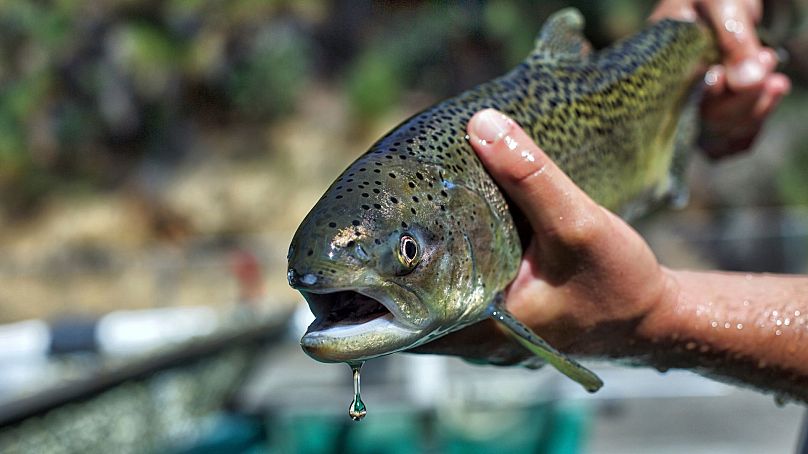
{"points": [[417, 225]]}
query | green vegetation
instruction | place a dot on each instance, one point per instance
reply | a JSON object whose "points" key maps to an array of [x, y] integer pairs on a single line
{"points": [[89, 91]]}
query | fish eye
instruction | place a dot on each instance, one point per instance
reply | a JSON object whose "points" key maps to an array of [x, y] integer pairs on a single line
{"points": [[408, 251]]}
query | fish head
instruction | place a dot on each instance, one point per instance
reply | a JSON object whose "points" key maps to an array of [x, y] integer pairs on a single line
{"points": [[373, 262]]}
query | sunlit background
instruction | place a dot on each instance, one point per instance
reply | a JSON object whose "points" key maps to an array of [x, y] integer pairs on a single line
{"points": [[156, 157]]}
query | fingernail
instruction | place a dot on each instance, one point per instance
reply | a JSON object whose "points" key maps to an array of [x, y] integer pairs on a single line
{"points": [[746, 72], [491, 126]]}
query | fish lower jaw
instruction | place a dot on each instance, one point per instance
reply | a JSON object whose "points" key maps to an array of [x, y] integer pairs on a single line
{"points": [[360, 341]]}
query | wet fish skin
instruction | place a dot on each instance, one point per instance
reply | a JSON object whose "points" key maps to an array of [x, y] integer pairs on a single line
{"points": [[609, 119]]}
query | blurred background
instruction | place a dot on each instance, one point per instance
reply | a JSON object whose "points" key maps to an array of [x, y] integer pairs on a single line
{"points": [[156, 157]]}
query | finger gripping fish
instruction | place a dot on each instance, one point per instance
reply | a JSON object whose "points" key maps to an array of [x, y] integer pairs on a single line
{"points": [[415, 240]]}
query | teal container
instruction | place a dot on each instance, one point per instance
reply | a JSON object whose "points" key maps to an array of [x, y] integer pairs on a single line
{"points": [[552, 428]]}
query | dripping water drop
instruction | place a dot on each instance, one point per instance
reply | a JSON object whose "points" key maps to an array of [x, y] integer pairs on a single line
{"points": [[357, 410]]}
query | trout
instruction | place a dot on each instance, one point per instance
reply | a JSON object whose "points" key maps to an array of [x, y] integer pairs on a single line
{"points": [[415, 240]]}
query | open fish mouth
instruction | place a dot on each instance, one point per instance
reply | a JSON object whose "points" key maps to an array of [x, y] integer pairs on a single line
{"points": [[342, 308], [351, 325]]}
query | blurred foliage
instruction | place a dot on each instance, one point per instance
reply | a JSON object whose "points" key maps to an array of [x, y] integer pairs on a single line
{"points": [[89, 88], [793, 177], [90, 91]]}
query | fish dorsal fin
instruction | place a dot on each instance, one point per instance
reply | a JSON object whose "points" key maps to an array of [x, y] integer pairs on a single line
{"points": [[561, 37], [539, 347]]}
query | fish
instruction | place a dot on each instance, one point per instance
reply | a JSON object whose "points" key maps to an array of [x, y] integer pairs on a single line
{"points": [[415, 240]]}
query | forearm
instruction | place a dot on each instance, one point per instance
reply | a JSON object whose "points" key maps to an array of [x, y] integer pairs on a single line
{"points": [[749, 328]]}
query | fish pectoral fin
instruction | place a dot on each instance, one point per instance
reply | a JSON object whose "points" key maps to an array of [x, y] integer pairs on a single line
{"points": [[539, 347], [561, 37]]}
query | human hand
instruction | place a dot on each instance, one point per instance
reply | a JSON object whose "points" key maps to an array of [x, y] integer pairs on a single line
{"points": [[744, 89], [587, 279]]}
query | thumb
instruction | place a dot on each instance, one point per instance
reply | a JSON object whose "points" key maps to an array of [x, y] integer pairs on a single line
{"points": [[554, 205]]}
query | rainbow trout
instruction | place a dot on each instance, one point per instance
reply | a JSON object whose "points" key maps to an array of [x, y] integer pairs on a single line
{"points": [[415, 240]]}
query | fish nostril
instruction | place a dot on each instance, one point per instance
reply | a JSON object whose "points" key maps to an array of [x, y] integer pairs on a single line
{"points": [[295, 278], [361, 254]]}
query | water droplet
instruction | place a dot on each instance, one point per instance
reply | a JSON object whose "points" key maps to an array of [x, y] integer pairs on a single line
{"points": [[746, 302], [727, 325], [711, 78], [357, 410], [778, 322], [733, 26], [512, 144], [778, 332], [739, 326], [714, 324], [787, 321]]}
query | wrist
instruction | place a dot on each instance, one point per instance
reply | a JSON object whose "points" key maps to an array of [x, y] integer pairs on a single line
{"points": [[660, 318], [634, 338]]}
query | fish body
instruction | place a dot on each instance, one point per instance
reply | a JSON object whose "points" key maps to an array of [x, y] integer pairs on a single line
{"points": [[415, 240]]}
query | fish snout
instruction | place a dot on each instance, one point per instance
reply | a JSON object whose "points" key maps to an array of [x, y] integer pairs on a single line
{"points": [[300, 280]]}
